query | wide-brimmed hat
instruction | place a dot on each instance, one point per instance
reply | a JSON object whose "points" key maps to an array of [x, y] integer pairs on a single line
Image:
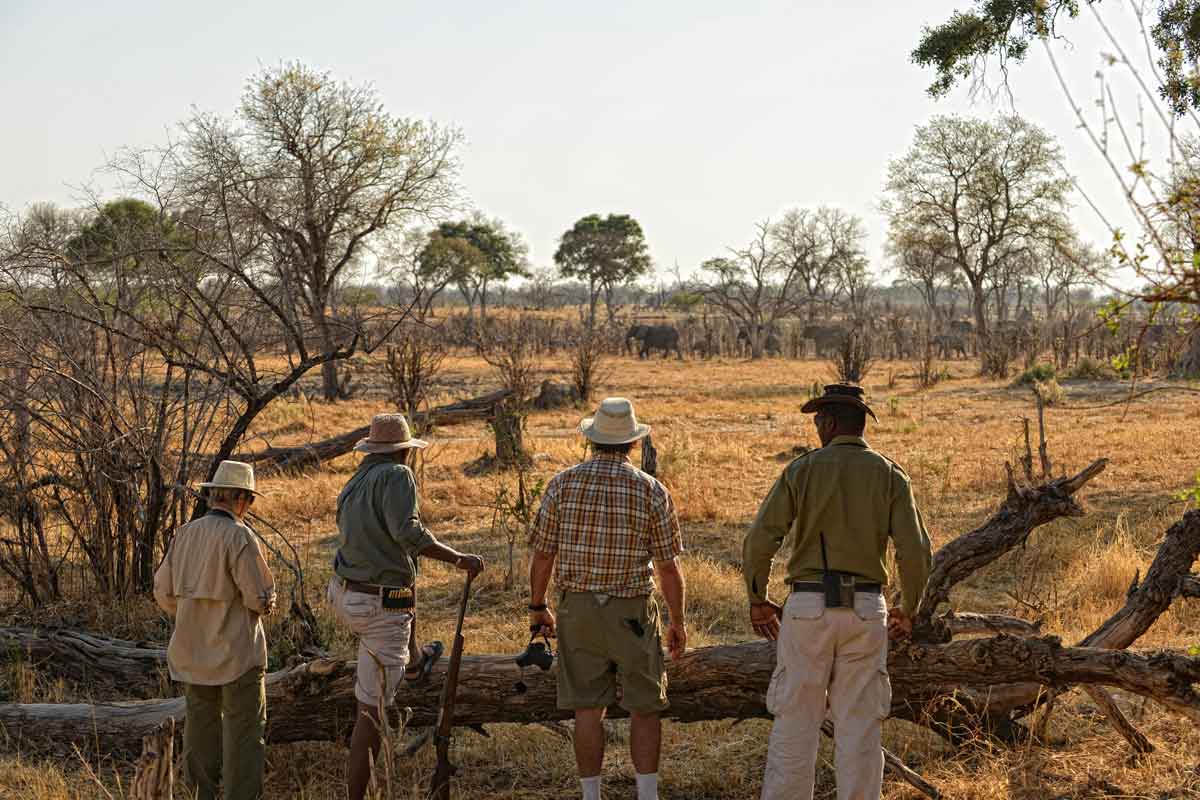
{"points": [[614, 423], [389, 433], [841, 393], [233, 475]]}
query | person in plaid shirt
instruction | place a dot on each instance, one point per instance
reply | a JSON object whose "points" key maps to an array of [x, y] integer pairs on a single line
{"points": [[606, 529]]}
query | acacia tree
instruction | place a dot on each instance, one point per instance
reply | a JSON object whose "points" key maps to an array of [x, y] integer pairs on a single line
{"points": [[297, 184], [991, 190], [755, 286], [476, 253], [823, 249], [604, 252], [923, 262]]}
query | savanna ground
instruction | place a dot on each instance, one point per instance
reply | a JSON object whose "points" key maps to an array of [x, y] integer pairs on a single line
{"points": [[724, 430]]}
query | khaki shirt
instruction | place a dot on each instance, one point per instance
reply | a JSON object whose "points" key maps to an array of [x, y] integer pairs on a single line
{"points": [[858, 499], [379, 525], [216, 584]]}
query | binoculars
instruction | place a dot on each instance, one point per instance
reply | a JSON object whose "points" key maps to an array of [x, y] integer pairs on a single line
{"points": [[536, 654]]}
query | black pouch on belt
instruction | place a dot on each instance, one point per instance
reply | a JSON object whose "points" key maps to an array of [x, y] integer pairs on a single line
{"points": [[396, 599], [839, 586]]}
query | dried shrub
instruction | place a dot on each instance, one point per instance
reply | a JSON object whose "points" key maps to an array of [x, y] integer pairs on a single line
{"points": [[852, 358], [413, 362]]}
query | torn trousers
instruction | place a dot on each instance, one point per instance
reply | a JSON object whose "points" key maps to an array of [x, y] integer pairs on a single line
{"points": [[833, 658]]}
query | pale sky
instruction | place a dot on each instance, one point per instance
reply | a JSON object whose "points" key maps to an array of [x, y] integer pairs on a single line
{"points": [[699, 118]]}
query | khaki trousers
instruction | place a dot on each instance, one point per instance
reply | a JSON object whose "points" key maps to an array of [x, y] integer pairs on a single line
{"points": [[225, 737], [382, 642], [835, 657]]}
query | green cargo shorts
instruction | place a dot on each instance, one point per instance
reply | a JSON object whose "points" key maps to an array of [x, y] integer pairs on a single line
{"points": [[600, 643]]}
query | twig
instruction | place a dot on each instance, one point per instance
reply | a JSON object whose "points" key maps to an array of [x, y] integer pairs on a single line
{"points": [[1132, 397]]}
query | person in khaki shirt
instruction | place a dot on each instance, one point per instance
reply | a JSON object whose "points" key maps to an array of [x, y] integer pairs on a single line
{"points": [[837, 506], [216, 584]]}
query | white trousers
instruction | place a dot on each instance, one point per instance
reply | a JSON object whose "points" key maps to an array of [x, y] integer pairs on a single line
{"points": [[833, 657]]}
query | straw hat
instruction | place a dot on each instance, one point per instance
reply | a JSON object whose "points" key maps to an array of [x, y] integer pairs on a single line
{"points": [[389, 433], [614, 423], [840, 393], [233, 475]]}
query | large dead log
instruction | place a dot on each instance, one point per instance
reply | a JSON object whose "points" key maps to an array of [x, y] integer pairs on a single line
{"points": [[134, 669], [308, 455], [315, 701], [1025, 509]]}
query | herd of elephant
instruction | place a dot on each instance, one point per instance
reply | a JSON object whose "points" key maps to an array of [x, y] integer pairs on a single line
{"points": [[826, 339]]}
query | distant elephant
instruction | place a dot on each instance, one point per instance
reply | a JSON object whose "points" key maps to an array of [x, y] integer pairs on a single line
{"points": [[827, 338], [635, 333], [655, 337], [771, 345], [948, 344]]}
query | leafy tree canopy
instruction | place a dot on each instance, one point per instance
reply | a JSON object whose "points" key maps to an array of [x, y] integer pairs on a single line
{"points": [[960, 47], [605, 251]]}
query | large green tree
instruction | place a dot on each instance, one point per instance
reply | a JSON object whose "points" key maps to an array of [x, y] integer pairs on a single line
{"points": [[986, 192], [475, 254], [605, 253]]}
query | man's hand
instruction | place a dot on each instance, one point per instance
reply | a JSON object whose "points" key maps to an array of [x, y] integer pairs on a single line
{"points": [[764, 618], [899, 624], [470, 564], [676, 639], [543, 621]]}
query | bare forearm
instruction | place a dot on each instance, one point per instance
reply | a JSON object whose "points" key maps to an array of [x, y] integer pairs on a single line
{"points": [[674, 591], [540, 567], [440, 552]]}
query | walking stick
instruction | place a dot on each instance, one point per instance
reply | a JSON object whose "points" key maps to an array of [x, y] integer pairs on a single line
{"points": [[439, 785]]}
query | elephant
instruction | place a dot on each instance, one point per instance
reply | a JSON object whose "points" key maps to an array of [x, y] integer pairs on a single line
{"points": [[635, 333], [771, 345], [827, 338], [655, 337], [949, 344]]}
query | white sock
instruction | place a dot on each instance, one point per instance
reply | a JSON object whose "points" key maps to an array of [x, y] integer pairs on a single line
{"points": [[591, 787], [647, 786]]}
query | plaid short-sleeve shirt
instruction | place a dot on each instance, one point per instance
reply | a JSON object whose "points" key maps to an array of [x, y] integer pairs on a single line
{"points": [[605, 521]]}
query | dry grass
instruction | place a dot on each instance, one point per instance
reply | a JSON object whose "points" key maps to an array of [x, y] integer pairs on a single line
{"points": [[724, 430]]}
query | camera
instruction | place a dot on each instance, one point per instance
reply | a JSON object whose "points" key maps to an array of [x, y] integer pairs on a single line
{"points": [[537, 654]]}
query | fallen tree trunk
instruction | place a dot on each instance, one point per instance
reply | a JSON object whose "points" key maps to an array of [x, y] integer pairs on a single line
{"points": [[315, 701], [135, 669], [308, 455]]}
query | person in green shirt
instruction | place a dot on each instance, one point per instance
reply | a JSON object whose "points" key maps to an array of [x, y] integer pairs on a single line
{"points": [[837, 506], [380, 534]]}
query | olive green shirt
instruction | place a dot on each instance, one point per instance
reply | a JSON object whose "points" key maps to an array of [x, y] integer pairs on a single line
{"points": [[858, 499], [379, 525]]}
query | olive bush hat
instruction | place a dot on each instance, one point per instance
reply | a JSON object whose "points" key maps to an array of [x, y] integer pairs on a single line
{"points": [[841, 393]]}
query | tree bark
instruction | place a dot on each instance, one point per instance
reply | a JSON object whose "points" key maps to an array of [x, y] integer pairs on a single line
{"points": [[315, 700], [134, 669]]}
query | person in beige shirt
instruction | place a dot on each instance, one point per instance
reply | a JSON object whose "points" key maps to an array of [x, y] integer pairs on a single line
{"points": [[216, 584]]}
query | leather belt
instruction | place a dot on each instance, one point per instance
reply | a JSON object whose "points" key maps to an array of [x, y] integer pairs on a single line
{"points": [[377, 590], [819, 588]]}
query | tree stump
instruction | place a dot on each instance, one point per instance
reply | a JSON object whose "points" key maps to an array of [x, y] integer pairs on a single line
{"points": [[154, 778], [508, 426]]}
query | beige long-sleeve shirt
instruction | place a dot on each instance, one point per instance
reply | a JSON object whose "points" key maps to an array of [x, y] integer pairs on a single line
{"points": [[857, 499], [216, 583]]}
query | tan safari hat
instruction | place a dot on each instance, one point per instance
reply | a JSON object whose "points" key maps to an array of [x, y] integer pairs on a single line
{"points": [[614, 423], [389, 433], [233, 475], [841, 393]]}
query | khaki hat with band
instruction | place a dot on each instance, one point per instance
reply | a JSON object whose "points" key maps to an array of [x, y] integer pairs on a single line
{"points": [[389, 434], [614, 423], [233, 475]]}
